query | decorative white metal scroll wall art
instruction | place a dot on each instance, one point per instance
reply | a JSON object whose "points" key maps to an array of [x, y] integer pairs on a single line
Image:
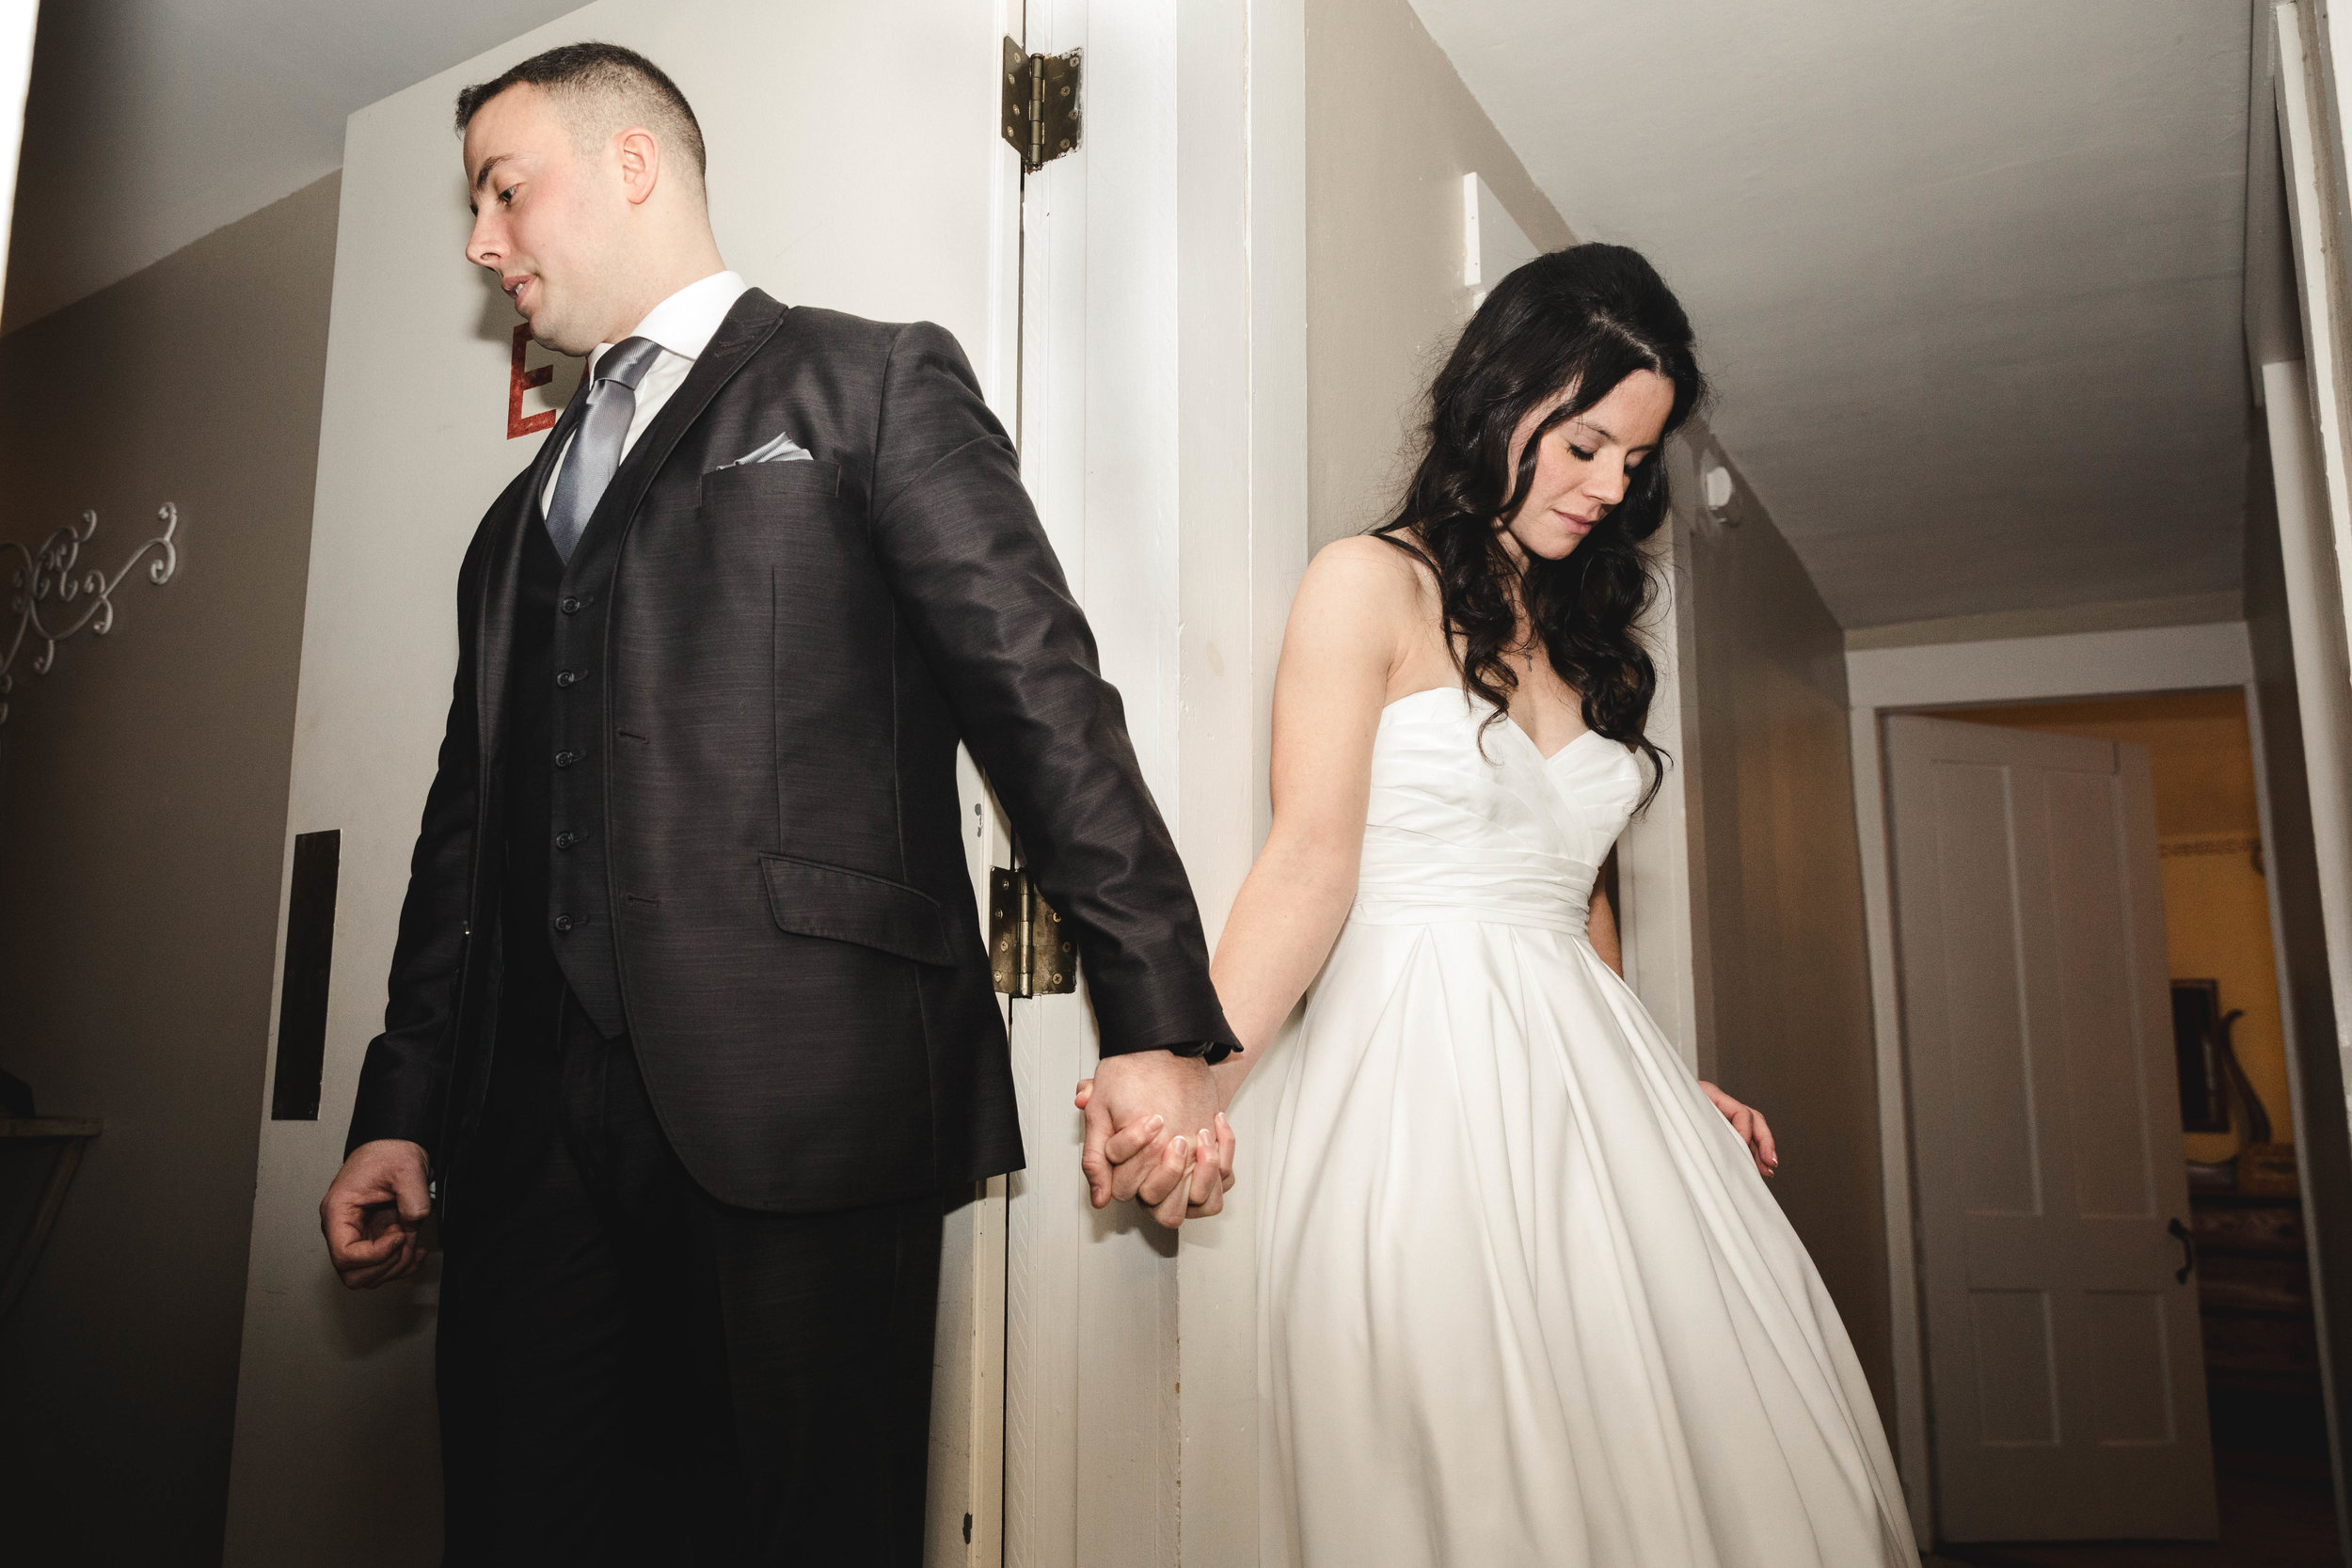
{"points": [[53, 596]]}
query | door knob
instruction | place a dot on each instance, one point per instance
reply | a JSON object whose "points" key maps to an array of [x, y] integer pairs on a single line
{"points": [[2179, 1232]]}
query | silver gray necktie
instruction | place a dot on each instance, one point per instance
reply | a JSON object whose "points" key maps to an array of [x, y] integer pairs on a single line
{"points": [[597, 444]]}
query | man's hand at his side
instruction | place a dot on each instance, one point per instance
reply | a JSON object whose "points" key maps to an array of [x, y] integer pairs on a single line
{"points": [[1135, 1105], [372, 1211]]}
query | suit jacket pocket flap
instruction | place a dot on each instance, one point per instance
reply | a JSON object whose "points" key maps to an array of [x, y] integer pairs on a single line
{"points": [[756, 481], [812, 899]]}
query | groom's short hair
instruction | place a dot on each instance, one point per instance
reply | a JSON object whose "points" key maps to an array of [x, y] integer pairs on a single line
{"points": [[600, 87]]}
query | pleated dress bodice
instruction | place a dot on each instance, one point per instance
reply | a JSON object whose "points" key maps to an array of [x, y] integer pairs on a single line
{"points": [[1469, 820]]}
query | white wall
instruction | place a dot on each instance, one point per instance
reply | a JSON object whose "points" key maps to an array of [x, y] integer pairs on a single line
{"points": [[17, 20], [2038, 669]]}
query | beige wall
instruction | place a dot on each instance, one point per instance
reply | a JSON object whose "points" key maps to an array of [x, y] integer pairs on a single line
{"points": [[1785, 1009], [1391, 131], [142, 808]]}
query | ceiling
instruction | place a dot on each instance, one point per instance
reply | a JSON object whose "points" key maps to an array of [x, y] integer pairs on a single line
{"points": [[1967, 277], [153, 122]]}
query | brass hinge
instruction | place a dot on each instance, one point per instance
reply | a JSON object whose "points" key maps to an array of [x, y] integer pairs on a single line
{"points": [[1026, 948], [1040, 105]]}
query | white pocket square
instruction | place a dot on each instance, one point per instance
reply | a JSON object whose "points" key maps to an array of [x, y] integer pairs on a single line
{"points": [[782, 450]]}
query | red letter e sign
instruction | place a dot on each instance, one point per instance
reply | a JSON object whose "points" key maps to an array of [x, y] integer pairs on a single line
{"points": [[522, 380]]}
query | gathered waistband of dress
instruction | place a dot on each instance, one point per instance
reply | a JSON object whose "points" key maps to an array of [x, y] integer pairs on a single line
{"points": [[1408, 883], [1405, 908]]}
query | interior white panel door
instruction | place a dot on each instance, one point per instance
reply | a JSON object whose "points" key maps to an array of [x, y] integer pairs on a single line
{"points": [[854, 164], [2064, 1363]]}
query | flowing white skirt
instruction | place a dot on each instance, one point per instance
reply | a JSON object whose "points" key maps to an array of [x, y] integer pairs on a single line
{"points": [[1524, 1298]]}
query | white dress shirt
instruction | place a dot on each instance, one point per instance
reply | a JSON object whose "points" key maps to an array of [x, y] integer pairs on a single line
{"points": [[682, 325]]}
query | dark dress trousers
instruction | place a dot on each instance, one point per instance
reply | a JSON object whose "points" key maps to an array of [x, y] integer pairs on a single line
{"points": [[691, 1002]]}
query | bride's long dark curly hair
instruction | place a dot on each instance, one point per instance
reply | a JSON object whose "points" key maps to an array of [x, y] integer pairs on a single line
{"points": [[1579, 320]]}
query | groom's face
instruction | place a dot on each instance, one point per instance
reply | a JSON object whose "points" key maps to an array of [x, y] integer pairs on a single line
{"points": [[545, 217]]}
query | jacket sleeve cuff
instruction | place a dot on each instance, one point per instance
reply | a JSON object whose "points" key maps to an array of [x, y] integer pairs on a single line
{"points": [[398, 1098]]}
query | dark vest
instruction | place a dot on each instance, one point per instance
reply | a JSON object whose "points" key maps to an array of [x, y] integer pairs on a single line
{"points": [[557, 896]]}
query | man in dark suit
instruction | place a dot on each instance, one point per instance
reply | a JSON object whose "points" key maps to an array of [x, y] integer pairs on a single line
{"points": [[691, 1024]]}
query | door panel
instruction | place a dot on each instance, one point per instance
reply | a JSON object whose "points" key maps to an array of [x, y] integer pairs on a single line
{"points": [[2098, 1043], [1993, 1080], [2065, 1374], [913, 216]]}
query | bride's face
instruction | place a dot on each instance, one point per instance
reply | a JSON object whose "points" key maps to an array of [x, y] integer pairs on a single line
{"points": [[1584, 463]]}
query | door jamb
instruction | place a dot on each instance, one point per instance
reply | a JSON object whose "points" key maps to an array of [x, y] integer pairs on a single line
{"points": [[1166, 256]]}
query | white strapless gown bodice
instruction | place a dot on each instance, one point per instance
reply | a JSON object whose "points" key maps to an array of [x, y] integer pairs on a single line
{"points": [[1524, 1298]]}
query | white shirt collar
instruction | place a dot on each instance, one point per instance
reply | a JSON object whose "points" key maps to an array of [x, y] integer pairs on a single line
{"points": [[685, 322]]}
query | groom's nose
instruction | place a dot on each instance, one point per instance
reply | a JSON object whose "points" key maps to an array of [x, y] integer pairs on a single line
{"points": [[485, 245]]}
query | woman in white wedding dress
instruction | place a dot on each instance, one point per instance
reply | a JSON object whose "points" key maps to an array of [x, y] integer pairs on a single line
{"points": [[1525, 1297]]}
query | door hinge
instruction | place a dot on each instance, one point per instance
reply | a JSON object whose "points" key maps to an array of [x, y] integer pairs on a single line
{"points": [[1026, 948], [1040, 105]]}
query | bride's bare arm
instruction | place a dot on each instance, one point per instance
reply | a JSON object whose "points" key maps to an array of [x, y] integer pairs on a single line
{"points": [[1349, 627]]}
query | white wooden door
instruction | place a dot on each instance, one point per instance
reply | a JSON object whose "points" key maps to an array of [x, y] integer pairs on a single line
{"points": [[854, 164], [2065, 1372]]}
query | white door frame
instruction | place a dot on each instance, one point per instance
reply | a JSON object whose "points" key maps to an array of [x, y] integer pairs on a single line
{"points": [[2012, 670], [2316, 440], [1242, 519], [1163, 415], [18, 20]]}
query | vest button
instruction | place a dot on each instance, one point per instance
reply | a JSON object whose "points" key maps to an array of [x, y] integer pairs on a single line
{"points": [[570, 606], [564, 759], [564, 841], [567, 677], [564, 921]]}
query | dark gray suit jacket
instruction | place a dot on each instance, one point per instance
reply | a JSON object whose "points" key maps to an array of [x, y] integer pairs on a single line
{"points": [[792, 651]]}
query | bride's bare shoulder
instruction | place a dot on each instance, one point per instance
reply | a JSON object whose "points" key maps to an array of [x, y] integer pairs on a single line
{"points": [[1358, 625], [1366, 575]]}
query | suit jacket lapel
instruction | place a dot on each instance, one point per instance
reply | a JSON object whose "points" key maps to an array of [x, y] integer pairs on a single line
{"points": [[494, 632], [750, 323]]}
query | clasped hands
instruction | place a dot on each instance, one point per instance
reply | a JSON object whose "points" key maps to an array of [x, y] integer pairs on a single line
{"points": [[1155, 1132]]}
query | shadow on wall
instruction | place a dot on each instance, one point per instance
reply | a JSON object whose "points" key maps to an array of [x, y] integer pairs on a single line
{"points": [[142, 813], [1784, 994]]}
